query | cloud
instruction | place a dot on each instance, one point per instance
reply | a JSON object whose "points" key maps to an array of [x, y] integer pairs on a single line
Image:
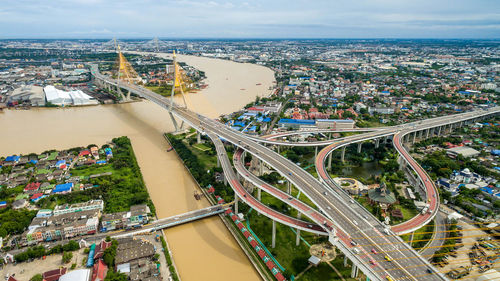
{"points": [[257, 18]]}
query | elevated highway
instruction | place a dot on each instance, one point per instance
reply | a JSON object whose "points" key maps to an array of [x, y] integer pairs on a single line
{"points": [[364, 237]]}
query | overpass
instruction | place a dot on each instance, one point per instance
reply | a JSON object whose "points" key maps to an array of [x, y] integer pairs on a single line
{"points": [[354, 239], [172, 221]]}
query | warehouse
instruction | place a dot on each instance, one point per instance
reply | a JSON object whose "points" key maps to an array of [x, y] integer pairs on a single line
{"points": [[63, 98], [33, 95]]}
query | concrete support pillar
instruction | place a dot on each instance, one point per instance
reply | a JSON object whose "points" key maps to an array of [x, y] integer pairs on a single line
{"points": [[342, 155], [414, 137], [354, 271], [128, 95], [359, 147], [288, 187], [345, 261], [377, 143], [330, 161], [261, 167], [297, 240], [236, 199], [439, 131], [315, 152], [273, 240], [259, 191], [218, 161], [427, 133], [198, 137], [225, 180], [278, 149]]}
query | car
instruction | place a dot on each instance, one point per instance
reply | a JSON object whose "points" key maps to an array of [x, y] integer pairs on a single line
{"points": [[353, 243], [387, 258], [324, 192], [429, 270], [372, 262], [289, 173], [352, 201], [328, 207], [389, 278], [309, 225], [374, 251]]}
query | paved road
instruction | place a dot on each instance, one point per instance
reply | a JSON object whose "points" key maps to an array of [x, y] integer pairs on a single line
{"points": [[367, 236]]}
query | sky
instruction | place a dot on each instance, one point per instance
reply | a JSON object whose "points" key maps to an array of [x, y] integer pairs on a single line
{"points": [[250, 19]]}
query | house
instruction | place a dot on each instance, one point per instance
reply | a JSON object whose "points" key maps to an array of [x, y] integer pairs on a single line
{"points": [[53, 275], [137, 216], [19, 204], [63, 188], [3, 204], [33, 186], [99, 271], [78, 207]]}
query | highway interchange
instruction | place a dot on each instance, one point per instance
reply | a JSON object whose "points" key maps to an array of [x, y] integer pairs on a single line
{"points": [[350, 226]]}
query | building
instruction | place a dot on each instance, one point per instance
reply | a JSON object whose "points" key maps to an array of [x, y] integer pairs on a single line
{"points": [[334, 124], [465, 151], [99, 271], [63, 188], [382, 196], [62, 226], [34, 95], [137, 216], [76, 275], [130, 249], [381, 110], [78, 207], [63, 98], [297, 124], [54, 275]]}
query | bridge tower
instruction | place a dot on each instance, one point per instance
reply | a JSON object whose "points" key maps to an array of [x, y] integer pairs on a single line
{"points": [[177, 84], [125, 72]]}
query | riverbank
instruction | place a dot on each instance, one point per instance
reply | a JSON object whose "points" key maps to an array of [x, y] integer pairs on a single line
{"points": [[206, 245]]}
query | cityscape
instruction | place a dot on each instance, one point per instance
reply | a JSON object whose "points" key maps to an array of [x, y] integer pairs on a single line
{"points": [[289, 152]]}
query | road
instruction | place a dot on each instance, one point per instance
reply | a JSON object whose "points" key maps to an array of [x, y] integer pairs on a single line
{"points": [[406, 263]]}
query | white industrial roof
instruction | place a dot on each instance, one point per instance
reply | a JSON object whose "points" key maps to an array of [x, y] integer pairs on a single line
{"points": [[76, 275]]}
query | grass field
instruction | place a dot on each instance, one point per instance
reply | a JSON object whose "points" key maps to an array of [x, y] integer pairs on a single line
{"points": [[201, 147]]}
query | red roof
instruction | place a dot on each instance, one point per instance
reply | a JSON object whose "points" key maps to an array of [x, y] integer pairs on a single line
{"points": [[100, 271], [228, 211], [246, 233], [84, 152], [240, 225], [261, 253], [270, 264], [11, 278], [254, 109], [99, 250], [279, 276], [32, 186], [253, 243], [53, 275], [36, 195]]}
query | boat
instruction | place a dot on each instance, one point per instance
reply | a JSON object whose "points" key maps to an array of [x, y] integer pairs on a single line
{"points": [[242, 89], [170, 149], [258, 84]]}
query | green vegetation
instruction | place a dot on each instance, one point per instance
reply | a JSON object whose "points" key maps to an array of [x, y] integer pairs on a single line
{"points": [[449, 243], [115, 276], [15, 221], [120, 190], [170, 265], [40, 251], [110, 254], [37, 277], [67, 256]]}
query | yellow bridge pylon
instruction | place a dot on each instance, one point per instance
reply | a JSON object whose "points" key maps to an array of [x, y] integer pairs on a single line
{"points": [[178, 82], [125, 72]]}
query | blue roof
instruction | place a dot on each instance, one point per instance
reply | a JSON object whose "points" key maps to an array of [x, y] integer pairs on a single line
{"points": [[239, 123], [495, 152], [267, 119], [297, 121], [335, 120], [236, 128], [61, 162], [487, 189], [33, 161], [13, 158], [385, 92], [3, 203], [253, 128], [63, 187], [250, 114], [101, 162]]}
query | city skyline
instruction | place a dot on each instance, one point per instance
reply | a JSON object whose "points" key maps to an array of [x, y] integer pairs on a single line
{"points": [[256, 19]]}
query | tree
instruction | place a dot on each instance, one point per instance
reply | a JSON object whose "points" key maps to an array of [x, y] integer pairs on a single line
{"points": [[37, 277], [115, 276], [67, 256]]}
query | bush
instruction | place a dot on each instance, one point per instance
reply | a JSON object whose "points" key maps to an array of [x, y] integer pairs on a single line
{"points": [[37, 277], [67, 256]]}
